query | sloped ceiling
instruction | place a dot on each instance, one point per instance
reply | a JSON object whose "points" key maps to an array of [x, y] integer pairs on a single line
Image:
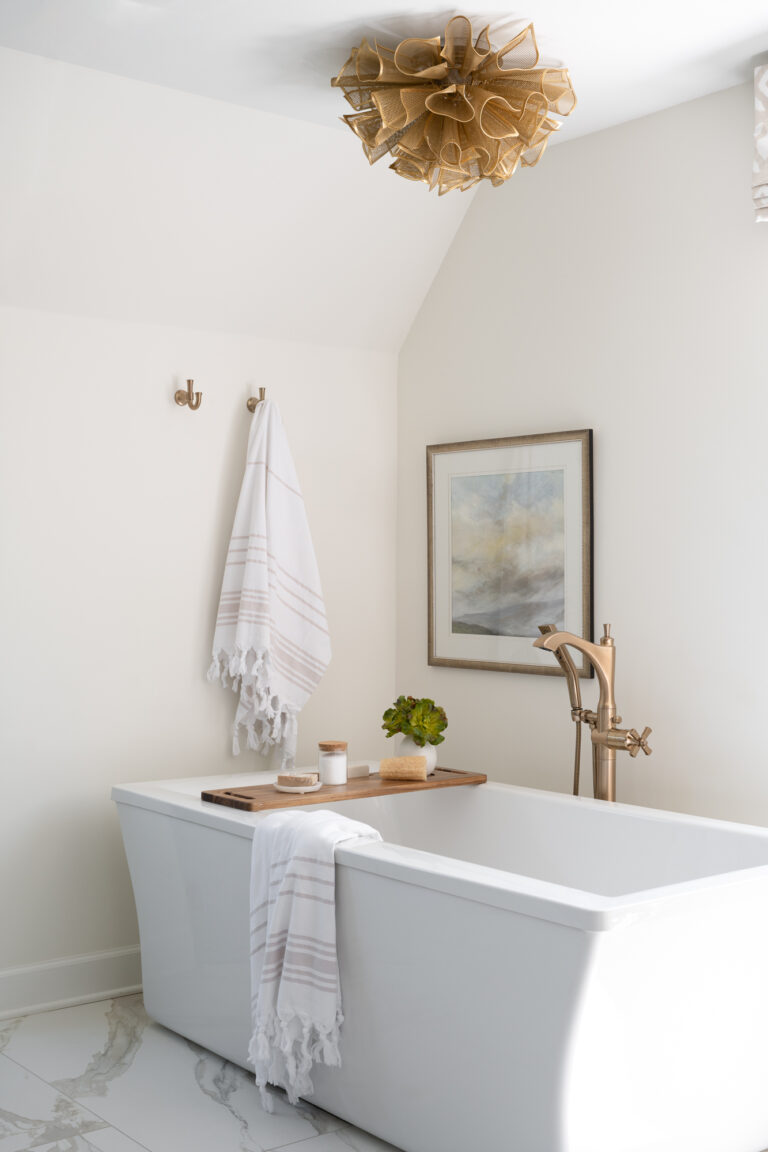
{"points": [[135, 202], [202, 176]]}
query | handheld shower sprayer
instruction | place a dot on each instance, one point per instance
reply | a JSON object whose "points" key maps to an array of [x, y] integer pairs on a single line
{"points": [[565, 660]]}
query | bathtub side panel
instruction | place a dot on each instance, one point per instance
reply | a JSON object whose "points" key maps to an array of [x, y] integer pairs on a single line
{"points": [[458, 1015], [458, 1018], [669, 1048], [191, 889]]}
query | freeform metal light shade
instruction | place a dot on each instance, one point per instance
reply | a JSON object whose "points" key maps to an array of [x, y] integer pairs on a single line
{"points": [[452, 111]]}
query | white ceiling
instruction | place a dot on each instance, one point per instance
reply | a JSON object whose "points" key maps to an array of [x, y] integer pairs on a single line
{"points": [[287, 257], [626, 60]]}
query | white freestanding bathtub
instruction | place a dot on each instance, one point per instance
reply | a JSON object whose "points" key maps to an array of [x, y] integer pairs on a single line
{"points": [[521, 971]]}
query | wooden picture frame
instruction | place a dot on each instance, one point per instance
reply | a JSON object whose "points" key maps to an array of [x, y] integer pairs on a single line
{"points": [[509, 547]]}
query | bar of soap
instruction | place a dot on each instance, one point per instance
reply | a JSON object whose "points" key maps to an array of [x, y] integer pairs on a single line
{"points": [[297, 779], [404, 768], [355, 770]]}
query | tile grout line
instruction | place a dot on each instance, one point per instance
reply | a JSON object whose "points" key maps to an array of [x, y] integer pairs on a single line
{"points": [[308, 1139], [107, 1124], [305, 1139], [40, 1080], [75, 1100], [296, 1143], [132, 1139]]}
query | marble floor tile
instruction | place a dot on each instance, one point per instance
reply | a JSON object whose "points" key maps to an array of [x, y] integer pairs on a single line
{"points": [[359, 1141], [158, 1089], [34, 1116], [7, 1029], [345, 1139], [93, 1142], [70, 1144], [102, 1038], [110, 1140], [102, 1140]]}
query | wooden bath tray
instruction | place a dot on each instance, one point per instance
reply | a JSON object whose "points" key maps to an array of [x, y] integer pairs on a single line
{"points": [[259, 797]]}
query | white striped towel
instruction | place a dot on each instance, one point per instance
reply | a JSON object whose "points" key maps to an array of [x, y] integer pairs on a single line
{"points": [[760, 162], [295, 990], [271, 641]]}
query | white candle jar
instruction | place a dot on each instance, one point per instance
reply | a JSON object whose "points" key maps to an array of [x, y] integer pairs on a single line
{"points": [[332, 761]]}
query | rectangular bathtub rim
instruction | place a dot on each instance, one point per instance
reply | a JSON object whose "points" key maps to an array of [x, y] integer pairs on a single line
{"points": [[572, 907], [515, 892], [158, 796]]}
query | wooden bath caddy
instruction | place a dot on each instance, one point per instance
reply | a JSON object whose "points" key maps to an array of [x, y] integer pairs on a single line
{"points": [[259, 797]]}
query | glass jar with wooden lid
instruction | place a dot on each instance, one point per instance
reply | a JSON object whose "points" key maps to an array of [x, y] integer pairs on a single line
{"points": [[332, 761]]}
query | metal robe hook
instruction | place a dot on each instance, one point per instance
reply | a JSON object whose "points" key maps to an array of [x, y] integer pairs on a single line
{"points": [[190, 398], [251, 403]]}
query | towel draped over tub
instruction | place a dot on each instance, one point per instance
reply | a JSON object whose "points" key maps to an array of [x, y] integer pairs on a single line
{"points": [[271, 641], [295, 990]]}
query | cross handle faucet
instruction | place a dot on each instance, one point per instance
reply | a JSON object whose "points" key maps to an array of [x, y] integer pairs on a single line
{"points": [[607, 736]]}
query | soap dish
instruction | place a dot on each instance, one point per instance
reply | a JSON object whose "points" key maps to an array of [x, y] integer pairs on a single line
{"points": [[297, 789]]}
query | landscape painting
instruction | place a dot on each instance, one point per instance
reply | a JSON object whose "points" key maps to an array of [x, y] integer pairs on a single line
{"points": [[509, 547], [507, 536]]}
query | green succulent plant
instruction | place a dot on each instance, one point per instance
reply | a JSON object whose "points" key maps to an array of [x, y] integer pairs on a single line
{"points": [[422, 720]]}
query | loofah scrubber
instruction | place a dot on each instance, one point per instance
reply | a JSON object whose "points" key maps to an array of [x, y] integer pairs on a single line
{"points": [[404, 768]]}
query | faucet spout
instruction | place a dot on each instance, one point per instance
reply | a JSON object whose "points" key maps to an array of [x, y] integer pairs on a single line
{"points": [[607, 737], [555, 639], [601, 656]]}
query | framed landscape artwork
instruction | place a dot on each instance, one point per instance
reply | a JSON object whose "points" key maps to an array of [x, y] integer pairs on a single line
{"points": [[510, 547]]}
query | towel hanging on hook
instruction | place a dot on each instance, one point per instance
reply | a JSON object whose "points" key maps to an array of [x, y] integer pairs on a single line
{"points": [[252, 401], [271, 641]]}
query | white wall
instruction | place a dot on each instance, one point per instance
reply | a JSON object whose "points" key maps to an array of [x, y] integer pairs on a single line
{"points": [[133, 202], [137, 226], [620, 286], [116, 509]]}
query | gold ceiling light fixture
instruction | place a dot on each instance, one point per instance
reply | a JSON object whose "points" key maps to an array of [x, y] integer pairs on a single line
{"points": [[452, 111]]}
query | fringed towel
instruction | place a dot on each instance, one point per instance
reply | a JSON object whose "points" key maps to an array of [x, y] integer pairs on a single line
{"points": [[760, 163], [271, 641], [295, 992]]}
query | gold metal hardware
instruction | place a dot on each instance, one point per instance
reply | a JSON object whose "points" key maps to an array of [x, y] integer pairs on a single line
{"points": [[565, 660], [252, 403], [607, 737], [639, 743], [190, 398]]}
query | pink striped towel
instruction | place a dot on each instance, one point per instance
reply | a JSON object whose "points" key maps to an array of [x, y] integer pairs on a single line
{"points": [[271, 642]]}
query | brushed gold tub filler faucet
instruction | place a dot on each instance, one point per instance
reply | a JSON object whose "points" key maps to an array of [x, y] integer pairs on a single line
{"points": [[607, 737]]}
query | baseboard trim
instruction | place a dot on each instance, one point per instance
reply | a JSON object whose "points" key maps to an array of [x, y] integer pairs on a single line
{"points": [[68, 981]]}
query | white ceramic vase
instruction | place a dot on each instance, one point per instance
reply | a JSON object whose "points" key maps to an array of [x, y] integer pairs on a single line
{"points": [[409, 747]]}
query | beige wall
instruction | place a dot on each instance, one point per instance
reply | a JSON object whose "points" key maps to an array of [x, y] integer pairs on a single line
{"points": [[147, 236], [116, 509], [619, 286]]}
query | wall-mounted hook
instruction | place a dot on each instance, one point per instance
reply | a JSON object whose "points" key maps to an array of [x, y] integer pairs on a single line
{"points": [[190, 398], [251, 402]]}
